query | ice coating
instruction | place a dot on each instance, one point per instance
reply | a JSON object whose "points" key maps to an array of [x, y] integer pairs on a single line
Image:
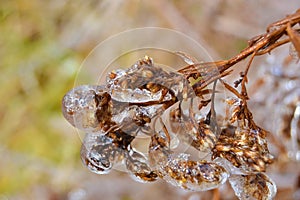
{"points": [[145, 82], [244, 148], [138, 166], [97, 162], [241, 142], [99, 153], [130, 98], [198, 133], [79, 107], [182, 122], [179, 171], [145, 99], [253, 186]]}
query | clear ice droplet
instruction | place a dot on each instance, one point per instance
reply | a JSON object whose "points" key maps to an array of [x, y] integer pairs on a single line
{"points": [[138, 166], [79, 107], [99, 153], [253, 186]]}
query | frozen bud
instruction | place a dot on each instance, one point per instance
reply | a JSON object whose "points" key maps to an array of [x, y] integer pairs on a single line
{"points": [[99, 153], [158, 150], [245, 148], [253, 186], [179, 171], [193, 175], [79, 107], [205, 139]]}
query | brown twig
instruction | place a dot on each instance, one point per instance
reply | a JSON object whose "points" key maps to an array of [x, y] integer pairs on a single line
{"points": [[259, 45]]}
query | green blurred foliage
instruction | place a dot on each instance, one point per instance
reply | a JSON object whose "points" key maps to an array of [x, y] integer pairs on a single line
{"points": [[36, 71]]}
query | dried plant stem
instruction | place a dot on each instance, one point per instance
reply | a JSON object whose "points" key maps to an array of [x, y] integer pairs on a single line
{"points": [[259, 45], [245, 79], [216, 194]]}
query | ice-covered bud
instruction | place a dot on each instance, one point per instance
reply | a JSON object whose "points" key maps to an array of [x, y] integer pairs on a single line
{"points": [[79, 107]]}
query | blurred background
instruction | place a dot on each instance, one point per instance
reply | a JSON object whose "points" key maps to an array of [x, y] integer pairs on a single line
{"points": [[43, 44]]}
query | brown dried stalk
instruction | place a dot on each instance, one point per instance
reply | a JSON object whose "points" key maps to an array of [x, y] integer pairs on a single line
{"points": [[258, 45]]}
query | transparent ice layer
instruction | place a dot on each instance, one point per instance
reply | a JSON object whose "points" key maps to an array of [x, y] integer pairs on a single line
{"points": [[253, 186], [179, 171], [138, 167], [79, 107], [145, 99], [99, 153]]}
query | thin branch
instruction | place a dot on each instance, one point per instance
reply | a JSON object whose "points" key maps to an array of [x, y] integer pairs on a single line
{"points": [[260, 44]]}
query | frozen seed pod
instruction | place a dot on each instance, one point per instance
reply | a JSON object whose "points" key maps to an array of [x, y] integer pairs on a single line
{"points": [[194, 175], [204, 139], [79, 107], [245, 148], [181, 121], [179, 171], [253, 186], [137, 165], [99, 153], [145, 83]]}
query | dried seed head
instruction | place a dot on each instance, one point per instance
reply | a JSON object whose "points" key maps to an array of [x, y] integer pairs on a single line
{"points": [[246, 150], [192, 175], [129, 102], [222, 148]]}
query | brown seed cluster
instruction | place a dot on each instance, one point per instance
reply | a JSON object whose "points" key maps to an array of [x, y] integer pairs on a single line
{"points": [[244, 148], [243, 143], [198, 133], [179, 171], [133, 102], [148, 85]]}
